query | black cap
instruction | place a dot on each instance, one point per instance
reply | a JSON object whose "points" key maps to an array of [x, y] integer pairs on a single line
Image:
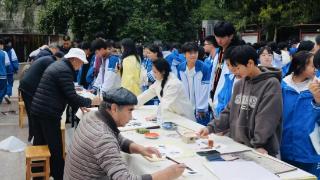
{"points": [[120, 96]]}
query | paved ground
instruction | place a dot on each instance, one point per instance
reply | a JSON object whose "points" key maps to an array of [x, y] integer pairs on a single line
{"points": [[12, 164]]}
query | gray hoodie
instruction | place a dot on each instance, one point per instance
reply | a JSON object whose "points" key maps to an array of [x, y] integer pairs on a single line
{"points": [[254, 114]]}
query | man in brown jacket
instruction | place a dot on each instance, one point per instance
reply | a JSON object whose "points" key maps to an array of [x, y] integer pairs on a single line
{"points": [[95, 149]]}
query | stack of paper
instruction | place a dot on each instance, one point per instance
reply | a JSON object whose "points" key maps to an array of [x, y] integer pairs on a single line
{"points": [[242, 170]]}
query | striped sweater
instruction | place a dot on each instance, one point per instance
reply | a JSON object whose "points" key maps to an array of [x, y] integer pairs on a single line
{"points": [[95, 151]]}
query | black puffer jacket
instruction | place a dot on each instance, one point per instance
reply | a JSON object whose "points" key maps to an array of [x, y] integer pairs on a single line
{"points": [[55, 90]]}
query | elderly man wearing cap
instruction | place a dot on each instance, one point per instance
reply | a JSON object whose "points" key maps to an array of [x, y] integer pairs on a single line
{"points": [[55, 90], [95, 149]]}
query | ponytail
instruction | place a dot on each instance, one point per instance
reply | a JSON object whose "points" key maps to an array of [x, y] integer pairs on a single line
{"points": [[164, 68], [164, 81]]}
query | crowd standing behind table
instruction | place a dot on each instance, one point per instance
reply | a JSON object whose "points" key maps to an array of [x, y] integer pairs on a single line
{"points": [[140, 165]]}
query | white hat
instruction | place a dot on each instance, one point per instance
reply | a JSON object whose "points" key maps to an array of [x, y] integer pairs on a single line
{"points": [[77, 53]]}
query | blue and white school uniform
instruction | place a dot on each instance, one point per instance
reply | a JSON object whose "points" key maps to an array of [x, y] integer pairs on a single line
{"points": [[12, 68], [300, 116], [212, 64], [225, 94], [90, 73], [196, 82], [174, 59], [108, 77], [147, 64], [4, 61]]}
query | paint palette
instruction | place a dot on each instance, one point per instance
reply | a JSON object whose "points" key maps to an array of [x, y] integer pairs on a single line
{"points": [[151, 135], [169, 126]]}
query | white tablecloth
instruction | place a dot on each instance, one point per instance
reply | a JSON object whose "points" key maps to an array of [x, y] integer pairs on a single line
{"points": [[140, 165]]}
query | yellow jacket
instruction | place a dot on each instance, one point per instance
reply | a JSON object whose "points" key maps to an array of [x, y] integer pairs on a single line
{"points": [[131, 74]]}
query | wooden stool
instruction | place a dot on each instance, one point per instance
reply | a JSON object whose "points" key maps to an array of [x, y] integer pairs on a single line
{"points": [[37, 153], [21, 113], [22, 109]]}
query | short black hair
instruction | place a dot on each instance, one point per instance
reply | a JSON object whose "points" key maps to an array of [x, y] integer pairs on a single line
{"points": [[59, 54], [100, 34], [299, 62], [267, 48], [274, 47], [306, 46], [109, 43], [227, 54], [212, 40], [316, 60], [282, 45], [166, 46], [242, 54], [223, 28], [7, 40], [99, 43], [202, 53], [189, 47], [155, 49], [1, 41], [85, 45], [318, 39]]}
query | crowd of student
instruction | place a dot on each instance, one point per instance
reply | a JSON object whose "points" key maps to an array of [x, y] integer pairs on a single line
{"points": [[9, 65], [265, 95]]}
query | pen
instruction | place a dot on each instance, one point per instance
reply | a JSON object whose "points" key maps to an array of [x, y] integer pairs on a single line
{"points": [[178, 163], [153, 127]]}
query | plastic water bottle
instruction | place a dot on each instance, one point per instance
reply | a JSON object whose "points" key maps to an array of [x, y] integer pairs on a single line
{"points": [[159, 118]]}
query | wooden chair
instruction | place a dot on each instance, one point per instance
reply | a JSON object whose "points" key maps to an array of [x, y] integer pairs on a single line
{"points": [[34, 154]]}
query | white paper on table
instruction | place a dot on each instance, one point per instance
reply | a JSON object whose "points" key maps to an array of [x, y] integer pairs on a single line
{"points": [[86, 94], [202, 145], [315, 139], [138, 123], [239, 170], [173, 150]]}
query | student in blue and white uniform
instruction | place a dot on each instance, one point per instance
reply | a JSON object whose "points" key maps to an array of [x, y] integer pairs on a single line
{"points": [[225, 94], [4, 61], [299, 115], [153, 52], [195, 76], [265, 56], [12, 68], [225, 36], [81, 78], [108, 76], [211, 47], [175, 58]]}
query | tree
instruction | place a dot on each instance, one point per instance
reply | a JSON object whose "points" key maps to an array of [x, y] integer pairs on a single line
{"points": [[267, 14], [140, 19]]}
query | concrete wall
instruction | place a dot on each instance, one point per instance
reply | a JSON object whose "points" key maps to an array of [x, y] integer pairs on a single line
{"points": [[19, 22]]}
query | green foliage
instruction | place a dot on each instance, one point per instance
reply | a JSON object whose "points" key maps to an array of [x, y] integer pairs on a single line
{"points": [[168, 20], [267, 14], [140, 19]]}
